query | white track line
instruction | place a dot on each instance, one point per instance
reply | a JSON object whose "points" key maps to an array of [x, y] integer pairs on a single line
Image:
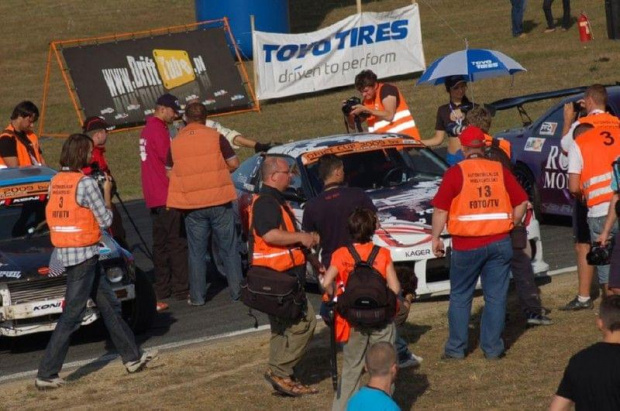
{"points": [[179, 344]]}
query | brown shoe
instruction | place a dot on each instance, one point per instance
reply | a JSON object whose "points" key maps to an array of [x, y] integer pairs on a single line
{"points": [[284, 386], [547, 31]]}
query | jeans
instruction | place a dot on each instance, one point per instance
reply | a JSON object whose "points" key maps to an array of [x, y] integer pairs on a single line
{"points": [[516, 14], [492, 264], [596, 227], [85, 280], [199, 224]]}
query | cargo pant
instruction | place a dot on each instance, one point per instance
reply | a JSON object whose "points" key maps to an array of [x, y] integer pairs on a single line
{"points": [[289, 340], [354, 356]]}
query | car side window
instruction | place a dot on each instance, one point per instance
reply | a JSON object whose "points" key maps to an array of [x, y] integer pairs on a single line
{"points": [[246, 176], [552, 125]]}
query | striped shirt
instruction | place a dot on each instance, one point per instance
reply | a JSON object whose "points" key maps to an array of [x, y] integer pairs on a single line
{"points": [[88, 195]]}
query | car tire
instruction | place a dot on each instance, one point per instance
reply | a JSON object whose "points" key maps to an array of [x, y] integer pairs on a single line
{"points": [[528, 182], [141, 311]]}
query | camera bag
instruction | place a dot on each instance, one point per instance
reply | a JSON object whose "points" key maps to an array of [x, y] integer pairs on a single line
{"points": [[273, 292], [367, 300]]}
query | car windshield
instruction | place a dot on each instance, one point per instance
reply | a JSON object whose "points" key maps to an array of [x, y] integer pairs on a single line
{"points": [[387, 167], [23, 220]]}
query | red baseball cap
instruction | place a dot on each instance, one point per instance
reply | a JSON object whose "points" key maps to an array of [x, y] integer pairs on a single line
{"points": [[472, 137]]}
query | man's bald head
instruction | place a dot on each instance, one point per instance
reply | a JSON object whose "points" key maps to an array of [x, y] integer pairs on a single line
{"points": [[380, 359]]}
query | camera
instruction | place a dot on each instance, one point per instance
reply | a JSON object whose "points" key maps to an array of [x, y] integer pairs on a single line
{"points": [[99, 176], [600, 254], [348, 106]]}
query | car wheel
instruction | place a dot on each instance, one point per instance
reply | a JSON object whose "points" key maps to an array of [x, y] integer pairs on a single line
{"points": [[140, 313], [526, 179]]}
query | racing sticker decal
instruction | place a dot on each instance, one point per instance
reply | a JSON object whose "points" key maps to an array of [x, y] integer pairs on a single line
{"points": [[534, 144], [548, 128]]}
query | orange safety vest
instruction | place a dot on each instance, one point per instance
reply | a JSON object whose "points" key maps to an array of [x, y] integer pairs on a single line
{"points": [[276, 257], [342, 326], [402, 122], [483, 206], [604, 120], [70, 224], [200, 177], [599, 148], [504, 145], [23, 155]]}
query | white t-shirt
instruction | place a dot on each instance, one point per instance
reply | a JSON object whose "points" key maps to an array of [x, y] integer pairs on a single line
{"points": [[567, 139]]}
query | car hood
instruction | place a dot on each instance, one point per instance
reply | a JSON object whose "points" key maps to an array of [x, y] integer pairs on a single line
{"points": [[33, 258], [405, 213]]}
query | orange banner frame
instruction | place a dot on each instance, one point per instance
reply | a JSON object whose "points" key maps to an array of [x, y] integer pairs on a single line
{"points": [[53, 52]]}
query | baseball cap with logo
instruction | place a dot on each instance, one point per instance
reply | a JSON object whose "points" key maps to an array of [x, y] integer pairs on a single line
{"points": [[454, 80], [472, 137], [94, 123], [168, 100]]}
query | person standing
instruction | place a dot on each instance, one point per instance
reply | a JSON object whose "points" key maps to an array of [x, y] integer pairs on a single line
{"points": [[76, 212], [383, 106], [381, 367], [549, 15], [169, 239], [450, 118], [592, 376], [516, 15], [594, 104], [481, 202], [357, 338], [19, 145], [276, 243], [201, 186]]}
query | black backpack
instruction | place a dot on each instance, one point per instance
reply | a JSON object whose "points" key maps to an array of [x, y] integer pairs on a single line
{"points": [[495, 153], [367, 300]]}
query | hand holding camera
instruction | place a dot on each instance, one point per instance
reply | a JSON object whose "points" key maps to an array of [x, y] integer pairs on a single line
{"points": [[600, 254]]}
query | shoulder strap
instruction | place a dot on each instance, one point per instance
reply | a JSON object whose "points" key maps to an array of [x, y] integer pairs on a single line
{"points": [[495, 142], [373, 255], [354, 253]]}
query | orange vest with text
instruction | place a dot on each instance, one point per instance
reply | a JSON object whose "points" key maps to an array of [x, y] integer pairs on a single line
{"points": [[483, 206], [276, 257], [200, 177], [504, 145], [599, 148], [402, 122], [604, 120], [70, 224], [23, 156]]}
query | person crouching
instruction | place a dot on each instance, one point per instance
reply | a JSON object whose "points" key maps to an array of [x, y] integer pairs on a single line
{"points": [[374, 264]]}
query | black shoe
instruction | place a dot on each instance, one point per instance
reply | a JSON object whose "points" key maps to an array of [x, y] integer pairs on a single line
{"points": [[448, 357], [495, 358], [575, 305], [538, 319]]}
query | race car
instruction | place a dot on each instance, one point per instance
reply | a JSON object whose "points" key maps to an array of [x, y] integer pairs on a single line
{"points": [[540, 165], [401, 176], [32, 278]]}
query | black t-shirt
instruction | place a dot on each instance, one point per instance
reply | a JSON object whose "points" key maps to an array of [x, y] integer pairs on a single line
{"points": [[8, 145], [443, 114], [389, 90], [267, 214], [328, 213], [592, 378]]}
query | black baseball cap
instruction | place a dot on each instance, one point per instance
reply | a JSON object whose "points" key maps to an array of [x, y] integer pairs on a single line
{"points": [[454, 80], [168, 100], [94, 123]]}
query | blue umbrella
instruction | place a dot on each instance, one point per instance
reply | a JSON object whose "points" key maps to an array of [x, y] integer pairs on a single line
{"points": [[475, 64]]}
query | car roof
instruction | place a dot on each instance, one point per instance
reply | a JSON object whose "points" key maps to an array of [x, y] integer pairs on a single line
{"points": [[21, 175], [297, 148]]}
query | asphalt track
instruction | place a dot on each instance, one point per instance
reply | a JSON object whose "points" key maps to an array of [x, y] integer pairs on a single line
{"points": [[183, 324]]}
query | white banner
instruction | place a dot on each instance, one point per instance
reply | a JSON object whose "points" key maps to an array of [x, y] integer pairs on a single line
{"points": [[388, 43]]}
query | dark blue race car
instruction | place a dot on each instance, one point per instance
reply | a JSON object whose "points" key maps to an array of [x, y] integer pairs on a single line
{"points": [[540, 165]]}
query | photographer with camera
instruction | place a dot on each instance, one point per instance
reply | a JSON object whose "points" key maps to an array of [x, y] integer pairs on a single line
{"points": [[593, 106], [589, 180], [97, 167], [451, 118], [383, 107]]}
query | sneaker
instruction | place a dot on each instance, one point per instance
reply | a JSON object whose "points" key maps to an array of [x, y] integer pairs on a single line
{"points": [[547, 31], [448, 357], [409, 360], [496, 357], [190, 302], [575, 305], [161, 306], [538, 319], [138, 365], [49, 383]]}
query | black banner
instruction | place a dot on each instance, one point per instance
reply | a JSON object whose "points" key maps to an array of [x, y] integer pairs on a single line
{"points": [[121, 81]]}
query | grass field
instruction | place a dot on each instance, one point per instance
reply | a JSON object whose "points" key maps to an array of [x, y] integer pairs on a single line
{"points": [[227, 375], [556, 60]]}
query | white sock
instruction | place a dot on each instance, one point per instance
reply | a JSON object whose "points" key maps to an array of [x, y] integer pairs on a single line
{"points": [[582, 299]]}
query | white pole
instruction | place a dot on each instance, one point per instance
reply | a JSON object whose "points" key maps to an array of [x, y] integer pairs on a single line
{"points": [[359, 6], [254, 55]]}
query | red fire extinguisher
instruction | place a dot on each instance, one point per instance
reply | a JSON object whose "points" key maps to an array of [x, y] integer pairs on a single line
{"points": [[585, 30]]}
